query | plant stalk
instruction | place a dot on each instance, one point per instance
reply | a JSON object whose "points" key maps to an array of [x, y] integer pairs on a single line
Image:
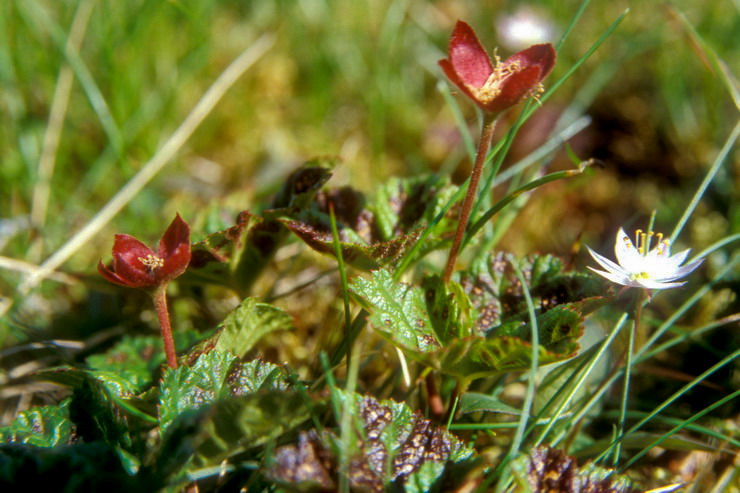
{"points": [[489, 124], [641, 295], [160, 305]]}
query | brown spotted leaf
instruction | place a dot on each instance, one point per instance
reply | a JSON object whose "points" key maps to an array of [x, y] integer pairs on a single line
{"points": [[546, 469], [497, 295], [356, 253], [392, 443]]}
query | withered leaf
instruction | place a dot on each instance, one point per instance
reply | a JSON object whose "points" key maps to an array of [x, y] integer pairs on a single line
{"points": [[392, 442], [549, 470]]}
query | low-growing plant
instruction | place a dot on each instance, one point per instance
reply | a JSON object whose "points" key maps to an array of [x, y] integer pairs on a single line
{"points": [[482, 372]]}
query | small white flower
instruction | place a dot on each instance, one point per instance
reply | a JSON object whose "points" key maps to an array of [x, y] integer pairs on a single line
{"points": [[640, 267]]}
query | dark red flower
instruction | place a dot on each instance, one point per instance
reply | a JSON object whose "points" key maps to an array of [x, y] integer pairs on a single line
{"points": [[495, 87], [137, 266]]}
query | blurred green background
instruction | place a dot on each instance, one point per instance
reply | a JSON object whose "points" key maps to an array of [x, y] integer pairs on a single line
{"points": [[357, 79]]}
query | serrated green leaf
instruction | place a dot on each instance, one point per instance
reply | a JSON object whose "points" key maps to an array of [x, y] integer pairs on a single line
{"points": [[133, 358], [403, 204], [229, 426], [477, 357], [473, 402], [102, 403], [214, 376], [46, 426], [401, 313], [424, 479], [247, 324], [449, 309], [117, 384], [397, 311]]}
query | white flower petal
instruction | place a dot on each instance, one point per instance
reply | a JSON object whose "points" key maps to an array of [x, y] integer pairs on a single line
{"points": [[622, 279], [627, 255], [681, 271], [608, 264], [656, 270], [661, 265], [653, 284]]}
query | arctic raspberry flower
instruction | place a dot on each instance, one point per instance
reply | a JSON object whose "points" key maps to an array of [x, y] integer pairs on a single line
{"points": [[642, 267], [136, 265], [500, 85]]}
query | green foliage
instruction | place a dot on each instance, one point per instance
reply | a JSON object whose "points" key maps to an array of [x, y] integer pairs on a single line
{"points": [[472, 402], [437, 325], [215, 376], [220, 429], [235, 256], [380, 231], [246, 325], [91, 91], [46, 426], [134, 359]]}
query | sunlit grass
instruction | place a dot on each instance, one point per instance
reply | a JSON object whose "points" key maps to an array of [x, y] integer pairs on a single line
{"points": [[101, 132]]}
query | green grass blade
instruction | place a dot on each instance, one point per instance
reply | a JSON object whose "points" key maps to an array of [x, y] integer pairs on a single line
{"points": [[579, 382], [718, 161], [36, 14], [680, 427], [559, 175], [676, 395], [343, 278], [531, 378]]}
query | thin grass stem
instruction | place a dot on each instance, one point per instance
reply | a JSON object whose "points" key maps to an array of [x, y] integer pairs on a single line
{"points": [[178, 138], [343, 279]]}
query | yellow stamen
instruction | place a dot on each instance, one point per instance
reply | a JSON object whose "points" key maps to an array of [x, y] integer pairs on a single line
{"points": [[152, 262]]}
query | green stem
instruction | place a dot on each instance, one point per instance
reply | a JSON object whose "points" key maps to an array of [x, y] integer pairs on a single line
{"points": [[160, 305], [628, 372], [489, 124]]}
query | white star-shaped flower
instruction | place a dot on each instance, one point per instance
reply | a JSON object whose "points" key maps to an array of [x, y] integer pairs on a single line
{"points": [[642, 268]]}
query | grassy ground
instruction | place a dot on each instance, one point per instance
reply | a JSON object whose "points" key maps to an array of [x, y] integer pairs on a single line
{"points": [[92, 93]]}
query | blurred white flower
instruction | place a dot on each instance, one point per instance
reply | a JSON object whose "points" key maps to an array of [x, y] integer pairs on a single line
{"points": [[523, 28], [641, 267]]}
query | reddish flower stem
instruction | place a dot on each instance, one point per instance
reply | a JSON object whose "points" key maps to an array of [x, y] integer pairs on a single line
{"points": [[489, 124], [160, 304]]}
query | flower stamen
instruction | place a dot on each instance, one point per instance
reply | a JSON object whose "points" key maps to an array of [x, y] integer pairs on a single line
{"points": [[152, 262]]}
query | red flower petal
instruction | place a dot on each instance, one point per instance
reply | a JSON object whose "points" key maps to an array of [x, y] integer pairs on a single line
{"points": [[449, 70], [515, 88], [129, 250], [134, 272], [174, 249], [468, 57], [542, 56], [112, 276]]}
